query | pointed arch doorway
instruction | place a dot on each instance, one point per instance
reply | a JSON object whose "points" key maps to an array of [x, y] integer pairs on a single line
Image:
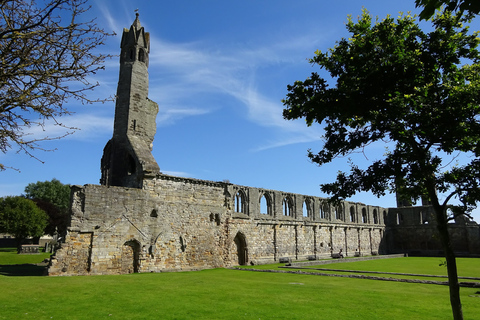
{"points": [[242, 251], [131, 256]]}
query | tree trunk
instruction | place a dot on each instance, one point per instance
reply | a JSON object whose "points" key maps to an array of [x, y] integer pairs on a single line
{"points": [[454, 287]]}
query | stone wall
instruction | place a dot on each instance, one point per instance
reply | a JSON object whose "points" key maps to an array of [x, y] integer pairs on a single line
{"points": [[175, 224], [413, 230]]}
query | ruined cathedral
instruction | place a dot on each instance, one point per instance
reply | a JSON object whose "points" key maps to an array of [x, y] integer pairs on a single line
{"points": [[140, 220]]}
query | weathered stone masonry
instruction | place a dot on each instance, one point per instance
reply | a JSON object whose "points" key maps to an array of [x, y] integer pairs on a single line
{"points": [[140, 220], [186, 224]]}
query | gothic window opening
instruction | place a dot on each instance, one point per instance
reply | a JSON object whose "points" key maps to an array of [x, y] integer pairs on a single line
{"points": [[339, 215], [141, 55], [364, 216], [265, 204], [375, 216], [240, 202], [287, 206], [324, 212], [307, 208], [352, 214]]}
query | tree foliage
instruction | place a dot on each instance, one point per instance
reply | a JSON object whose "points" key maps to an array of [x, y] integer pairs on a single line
{"points": [[415, 90], [22, 218], [48, 52], [430, 6], [54, 198]]}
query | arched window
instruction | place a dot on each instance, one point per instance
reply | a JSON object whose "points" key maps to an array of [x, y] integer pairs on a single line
{"points": [[364, 216], [339, 215], [352, 214], [287, 206], [307, 208], [240, 202], [141, 55], [375, 216], [265, 204]]}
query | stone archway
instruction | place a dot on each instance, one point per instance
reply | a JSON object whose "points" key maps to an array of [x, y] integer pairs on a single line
{"points": [[242, 251], [130, 256]]}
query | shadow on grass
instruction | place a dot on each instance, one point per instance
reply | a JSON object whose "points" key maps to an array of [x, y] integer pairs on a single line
{"points": [[23, 270]]}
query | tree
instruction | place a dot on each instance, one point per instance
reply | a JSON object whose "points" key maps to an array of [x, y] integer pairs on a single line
{"points": [[47, 54], [398, 84], [430, 6], [22, 218], [54, 198]]}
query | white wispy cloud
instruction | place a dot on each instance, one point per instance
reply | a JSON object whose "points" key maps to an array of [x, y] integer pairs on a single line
{"points": [[183, 75]]}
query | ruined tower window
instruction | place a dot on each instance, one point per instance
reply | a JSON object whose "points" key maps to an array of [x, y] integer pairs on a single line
{"points": [[131, 165], [240, 202], [265, 204], [287, 207], [364, 216], [375, 216], [141, 55], [352, 214], [132, 54]]}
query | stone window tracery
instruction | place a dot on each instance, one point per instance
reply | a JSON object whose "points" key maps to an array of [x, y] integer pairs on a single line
{"points": [[287, 206], [240, 202], [265, 204]]}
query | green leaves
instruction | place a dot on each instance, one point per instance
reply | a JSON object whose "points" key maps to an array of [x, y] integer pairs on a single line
{"points": [[398, 83], [21, 217]]}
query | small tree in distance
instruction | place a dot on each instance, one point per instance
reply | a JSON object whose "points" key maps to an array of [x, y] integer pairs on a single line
{"points": [[22, 218], [54, 198], [398, 84]]}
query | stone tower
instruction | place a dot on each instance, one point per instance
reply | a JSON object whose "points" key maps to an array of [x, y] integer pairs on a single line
{"points": [[127, 159]]}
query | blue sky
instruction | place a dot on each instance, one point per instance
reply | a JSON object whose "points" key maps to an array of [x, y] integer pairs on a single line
{"points": [[218, 70]]}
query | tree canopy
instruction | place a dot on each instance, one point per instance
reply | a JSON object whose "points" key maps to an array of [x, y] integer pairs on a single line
{"points": [[430, 6], [418, 91], [54, 198], [48, 53], [22, 218]]}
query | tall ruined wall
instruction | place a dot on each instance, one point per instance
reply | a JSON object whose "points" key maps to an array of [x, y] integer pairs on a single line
{"points": [[413, 230], [186, 224]]}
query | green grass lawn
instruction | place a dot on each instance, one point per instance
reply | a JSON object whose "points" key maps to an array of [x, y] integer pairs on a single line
{"points": [[9, 256], [226, 294]]}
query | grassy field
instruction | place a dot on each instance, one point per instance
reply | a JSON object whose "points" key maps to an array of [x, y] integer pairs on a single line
{"points": [[229, 294]]}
